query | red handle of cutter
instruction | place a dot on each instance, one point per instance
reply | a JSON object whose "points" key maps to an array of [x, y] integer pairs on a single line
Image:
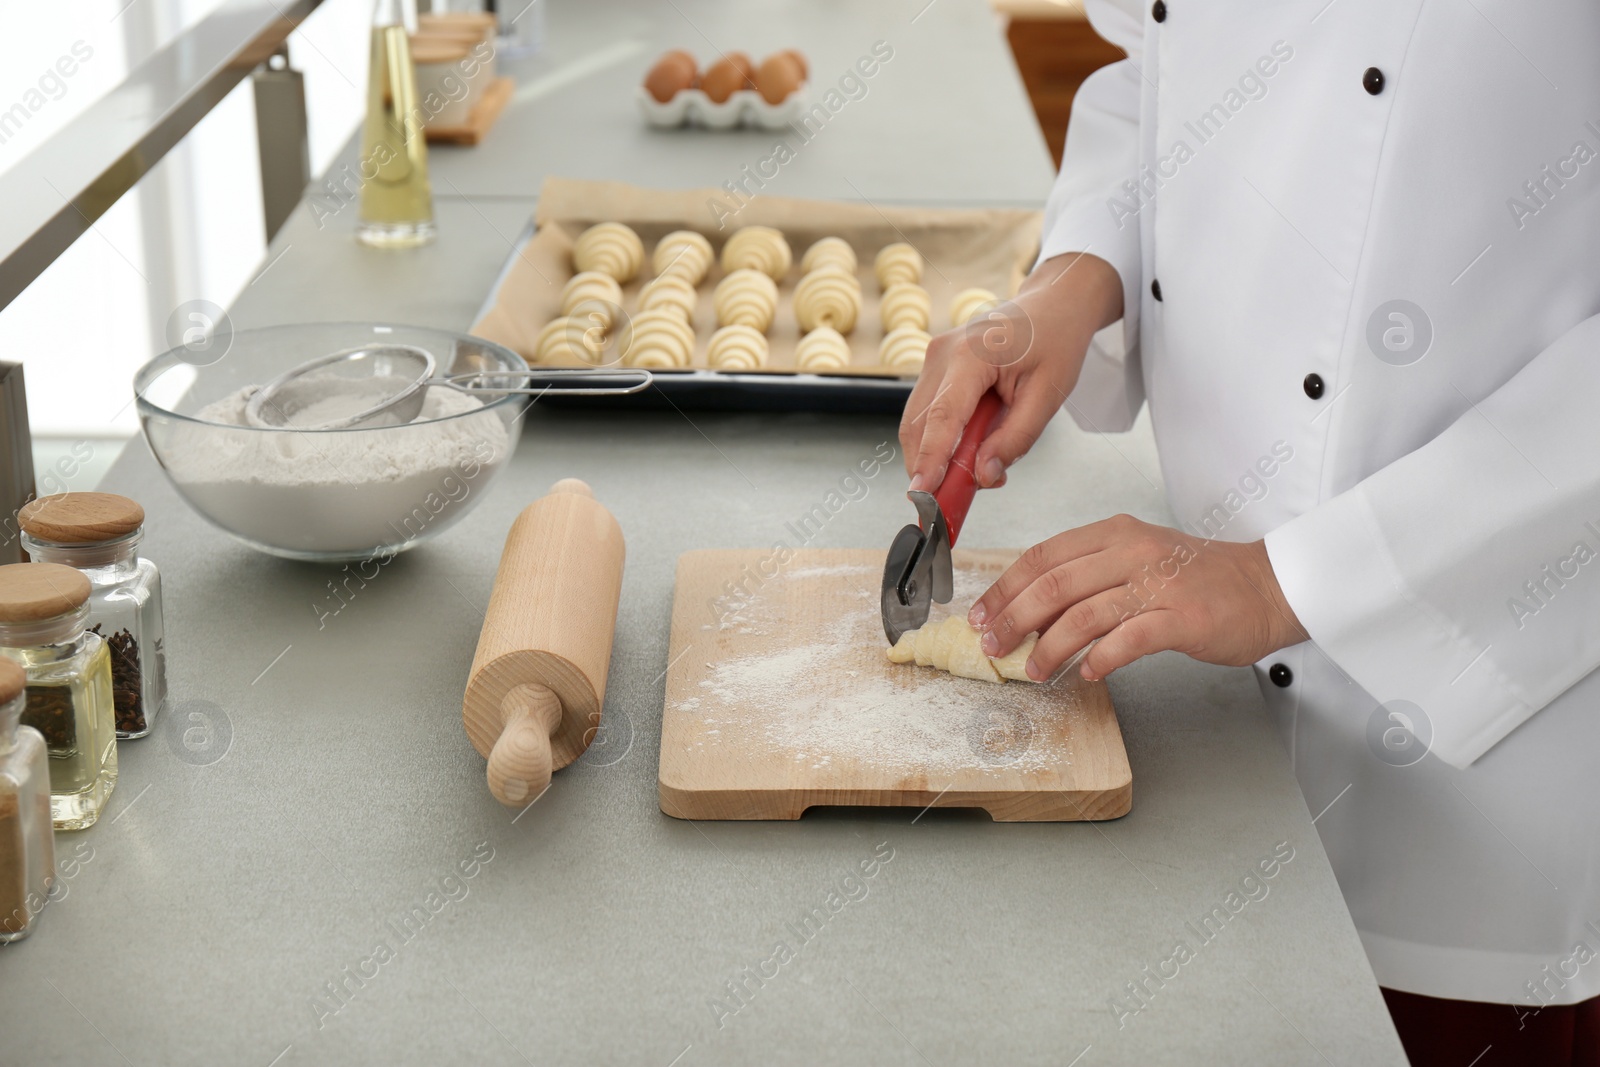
{"points": [[960, 481]]}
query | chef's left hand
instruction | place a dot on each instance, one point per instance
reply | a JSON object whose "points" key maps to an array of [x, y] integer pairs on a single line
{"points": [[1139, 589]]}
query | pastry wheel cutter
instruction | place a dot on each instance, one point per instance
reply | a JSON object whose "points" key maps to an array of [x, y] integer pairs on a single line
{"points": [[918, 570]]}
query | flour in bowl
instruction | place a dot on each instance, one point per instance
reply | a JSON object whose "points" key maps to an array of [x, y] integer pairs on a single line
{"points": [[348, 492]]}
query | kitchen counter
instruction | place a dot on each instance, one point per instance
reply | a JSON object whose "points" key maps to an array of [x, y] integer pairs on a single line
{"points": [[311, 785], [944, 120]]}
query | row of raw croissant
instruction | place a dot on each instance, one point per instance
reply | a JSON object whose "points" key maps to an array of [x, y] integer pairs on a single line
{"points": [[827, 301]]}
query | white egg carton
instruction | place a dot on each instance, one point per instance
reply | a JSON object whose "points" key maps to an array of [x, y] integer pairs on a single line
{"points": [[692, 107]]}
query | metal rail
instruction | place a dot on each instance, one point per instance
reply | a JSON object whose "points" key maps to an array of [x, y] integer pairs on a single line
{"points": [[55, 193]]}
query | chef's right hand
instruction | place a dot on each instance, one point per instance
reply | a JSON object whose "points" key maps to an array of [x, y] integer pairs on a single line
{"points": [[1028, 349]]}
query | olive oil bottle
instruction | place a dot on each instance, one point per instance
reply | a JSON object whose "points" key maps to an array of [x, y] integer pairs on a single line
{"points": [[43, 610], [396, 197]]}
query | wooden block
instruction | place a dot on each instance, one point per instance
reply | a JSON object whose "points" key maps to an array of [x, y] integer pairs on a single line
{"points": [[779, 697], [484, 113], [1054, 56]]}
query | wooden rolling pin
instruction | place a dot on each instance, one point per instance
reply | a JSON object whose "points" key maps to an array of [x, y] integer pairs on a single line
{"points": [[538, 679]]}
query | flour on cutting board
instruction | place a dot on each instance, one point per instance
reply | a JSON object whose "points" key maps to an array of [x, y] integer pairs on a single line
{"points": [[832, 699], [839, 571], [734, 608]]}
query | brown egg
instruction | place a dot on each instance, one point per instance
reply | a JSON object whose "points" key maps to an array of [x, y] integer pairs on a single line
{"points": [[725, 77], [673, 73], [778, 77], [799, 58], [742, 61]]}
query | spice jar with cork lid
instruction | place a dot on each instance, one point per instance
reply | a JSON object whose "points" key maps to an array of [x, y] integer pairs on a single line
{"points": [[27, 841], [43, 610], [99, 534]]}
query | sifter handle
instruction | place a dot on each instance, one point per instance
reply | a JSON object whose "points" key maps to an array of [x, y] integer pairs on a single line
{"points": [[960, 483], [562, 381]]}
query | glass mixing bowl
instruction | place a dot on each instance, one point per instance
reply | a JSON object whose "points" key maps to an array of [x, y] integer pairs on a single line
{"points": [[330, 495]]}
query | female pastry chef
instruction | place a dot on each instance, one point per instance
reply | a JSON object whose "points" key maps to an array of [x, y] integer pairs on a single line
{"points": [[1352, 246]]}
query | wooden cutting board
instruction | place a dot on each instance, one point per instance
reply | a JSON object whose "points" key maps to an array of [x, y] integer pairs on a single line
{"points": [[779, 697]]}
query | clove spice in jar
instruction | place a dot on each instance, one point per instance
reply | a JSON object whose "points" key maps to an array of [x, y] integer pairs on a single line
{"points": [[127, 688], [99, 535]]}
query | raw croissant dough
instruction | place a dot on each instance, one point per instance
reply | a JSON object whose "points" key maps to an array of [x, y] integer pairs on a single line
{"points": [[905, 305], [823, 349], [829, 252], [827, 296], [757, 248], [952, 645], [737, 348], [657, 339], [745, 298], [591, 285], [611, 248], [904, 349], [968, 303], [684, 253], [898, 264], [569, 340], [669, 292]]}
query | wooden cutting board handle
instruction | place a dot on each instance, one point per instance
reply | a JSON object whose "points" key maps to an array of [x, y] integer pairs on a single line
{"points": [[538, 680]]}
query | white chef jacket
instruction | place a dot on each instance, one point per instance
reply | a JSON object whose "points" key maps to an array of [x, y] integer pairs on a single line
{"points": [[1270, 179]]}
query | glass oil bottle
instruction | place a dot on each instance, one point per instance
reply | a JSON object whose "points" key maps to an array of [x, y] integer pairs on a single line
{"points": [[396, 197], [43, 610], [27, 840]]}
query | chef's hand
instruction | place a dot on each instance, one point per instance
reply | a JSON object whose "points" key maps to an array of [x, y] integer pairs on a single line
{"points": [[1029, 349], [1139, 589]]}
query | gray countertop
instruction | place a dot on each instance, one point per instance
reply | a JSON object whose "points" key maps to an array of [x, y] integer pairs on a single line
{"points": [[327, 786], [945, 119]]}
